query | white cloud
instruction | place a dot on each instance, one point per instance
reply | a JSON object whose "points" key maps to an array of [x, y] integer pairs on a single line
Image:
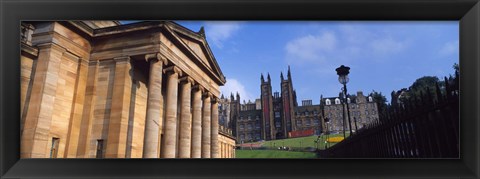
{"points": [[310, 47], [234, 86], [344, 45], [218, 32], [450, 48], [387, 45]]}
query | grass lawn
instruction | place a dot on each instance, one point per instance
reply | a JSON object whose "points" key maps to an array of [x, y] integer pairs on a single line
{"points": [[301, 142], [273, 154]]}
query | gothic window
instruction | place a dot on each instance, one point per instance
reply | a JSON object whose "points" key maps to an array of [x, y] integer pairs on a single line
{"points": [[249, 118], [241, 127], [337, 101], [277, 114], [257, 118], [54, 148], [327, 102], [306, 113], [348, 100], [277, 124], [249, 127], [307, 122], [370, 99], [366, 112]]}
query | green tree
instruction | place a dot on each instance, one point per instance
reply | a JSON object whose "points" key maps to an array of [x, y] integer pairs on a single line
{"points": [[456, 67], [380, 99], [421, 84]]}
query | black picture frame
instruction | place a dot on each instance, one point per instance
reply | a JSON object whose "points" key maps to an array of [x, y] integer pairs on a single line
{"points": [[467, 12]]}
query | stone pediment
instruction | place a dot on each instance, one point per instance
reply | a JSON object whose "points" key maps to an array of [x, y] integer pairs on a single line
{"points": [[197, 45]]}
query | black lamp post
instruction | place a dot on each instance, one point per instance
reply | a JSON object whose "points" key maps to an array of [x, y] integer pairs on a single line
{"points": [[342, 73], [344, 118]]}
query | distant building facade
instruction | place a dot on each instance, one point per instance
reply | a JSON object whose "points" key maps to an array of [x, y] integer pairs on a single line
{"points": [[99, 89], [362, 108], [277, 115]]}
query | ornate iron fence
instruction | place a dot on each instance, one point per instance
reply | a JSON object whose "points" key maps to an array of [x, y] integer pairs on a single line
{"points": [[426, 126]]}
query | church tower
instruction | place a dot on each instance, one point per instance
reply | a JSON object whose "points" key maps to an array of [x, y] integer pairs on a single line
{"points": [[234, 113], [267, 108], [289, 102]]}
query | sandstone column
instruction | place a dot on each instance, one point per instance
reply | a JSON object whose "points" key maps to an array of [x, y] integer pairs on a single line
{"points": [[206, 126], [77, 110], [185, 119], [214, 130], [228, 150], [154, 116], [222, 146], [35, 134], [87, 114], [170, 134], [119, 114], [197, 122]]}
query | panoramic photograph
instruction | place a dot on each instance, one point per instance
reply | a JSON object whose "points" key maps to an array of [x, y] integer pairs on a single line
{"points": [[240, 89]]}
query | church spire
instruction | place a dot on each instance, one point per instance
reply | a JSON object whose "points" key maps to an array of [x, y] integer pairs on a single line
{"points": [[261, 77], [281, 75], [268, 77], [289, 75]]}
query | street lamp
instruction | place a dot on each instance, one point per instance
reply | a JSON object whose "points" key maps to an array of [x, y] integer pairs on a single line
{"points": [[342, 73]]}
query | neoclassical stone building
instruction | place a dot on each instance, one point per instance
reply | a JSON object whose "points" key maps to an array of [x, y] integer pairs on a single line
{"points": [[99, 89]]}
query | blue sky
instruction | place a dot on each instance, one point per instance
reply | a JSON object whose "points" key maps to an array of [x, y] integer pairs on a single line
{"points": [[383, 56]]}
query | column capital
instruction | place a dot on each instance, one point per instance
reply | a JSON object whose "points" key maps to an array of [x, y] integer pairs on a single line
{"points": [[156, 57], [121, 59], [173, 69], [207, 94], [186, 79], [214, 99], [198, 87]]}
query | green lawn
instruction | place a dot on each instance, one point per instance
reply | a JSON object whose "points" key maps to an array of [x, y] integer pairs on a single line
{"points": [[273, 154], [301, 142]]}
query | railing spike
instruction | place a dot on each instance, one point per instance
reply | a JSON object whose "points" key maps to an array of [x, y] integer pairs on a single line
{"points": [[447, 88], [439, 93]]}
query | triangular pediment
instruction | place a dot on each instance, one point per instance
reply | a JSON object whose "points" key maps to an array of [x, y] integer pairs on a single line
{"points": [[198, 49], [198, 46]]}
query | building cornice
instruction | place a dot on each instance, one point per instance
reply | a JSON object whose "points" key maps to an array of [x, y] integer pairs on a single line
{"points": [[28, 49]]}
